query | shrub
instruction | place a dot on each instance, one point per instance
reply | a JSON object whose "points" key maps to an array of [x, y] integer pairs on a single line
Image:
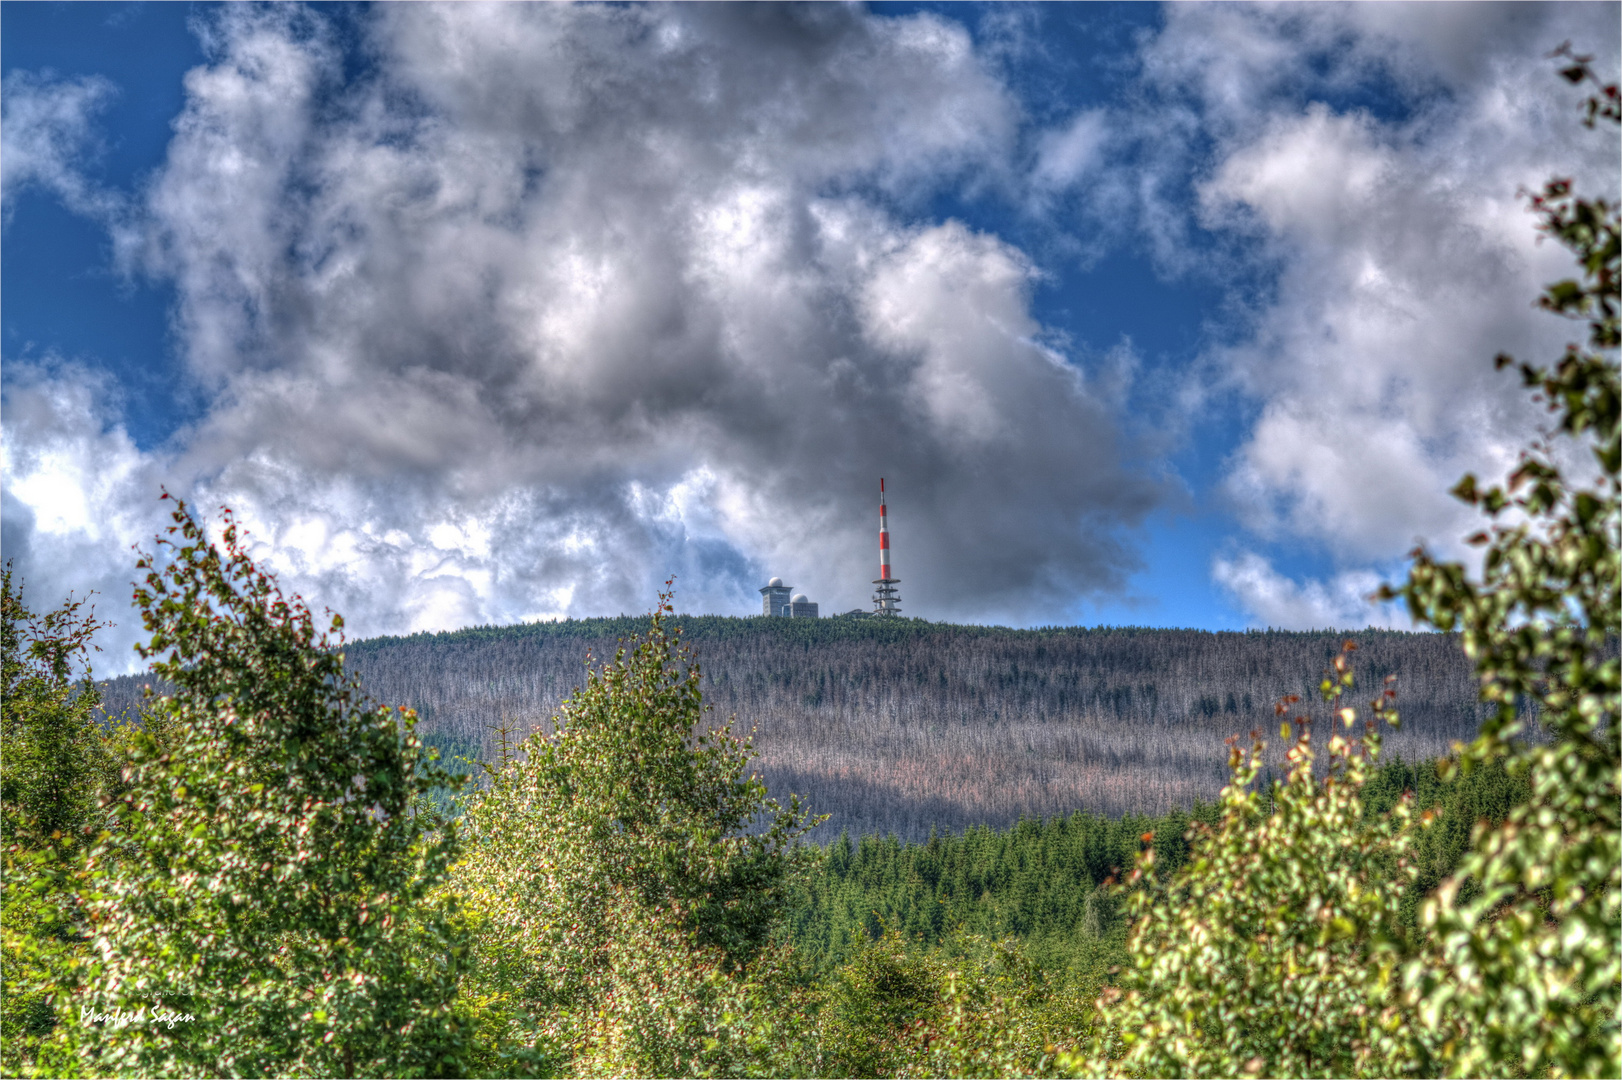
{"points": [[264, 880], [57, 762], [1525, 973], [1279, 949], [1270, 952], [886, 991], [57, 759], [630, 822]]}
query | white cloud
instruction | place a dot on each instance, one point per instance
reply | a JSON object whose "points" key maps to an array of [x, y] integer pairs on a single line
{"points": [[555, 301], [68, 517], [45, 134], [1067, 155], [1272, 599], [561, 300], [1404, 256]]}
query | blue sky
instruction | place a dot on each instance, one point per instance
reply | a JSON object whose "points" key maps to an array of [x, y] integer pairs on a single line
{"points": [[1159, 316]]}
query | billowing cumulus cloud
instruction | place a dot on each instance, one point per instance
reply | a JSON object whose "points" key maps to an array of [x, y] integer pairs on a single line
{"points": [[68, 516], [1404, 255], [513, 311], [553, 302]]}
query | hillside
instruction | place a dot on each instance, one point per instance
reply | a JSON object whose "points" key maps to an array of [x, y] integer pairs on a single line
{"points": [[898, 725]]}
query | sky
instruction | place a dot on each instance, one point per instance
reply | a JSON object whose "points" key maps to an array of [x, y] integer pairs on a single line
{"points": [[1148, 315]]}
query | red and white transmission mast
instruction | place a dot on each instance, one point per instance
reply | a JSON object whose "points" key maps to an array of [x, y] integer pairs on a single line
{"points": [[886, 598]]}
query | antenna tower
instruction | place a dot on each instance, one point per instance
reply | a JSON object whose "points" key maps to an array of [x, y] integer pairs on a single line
{"points": [[886, 598]]}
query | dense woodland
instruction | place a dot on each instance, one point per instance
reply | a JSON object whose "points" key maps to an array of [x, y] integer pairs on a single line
{"points": [[863, 957], [905, 726], [1043, 882], [251, 873]]}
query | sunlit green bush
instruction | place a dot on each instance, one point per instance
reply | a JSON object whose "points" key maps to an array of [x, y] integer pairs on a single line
{"points": [[1525, 973], [56, 763], [632, 822], [264, 880], [1270, 952], [1278, 949]]}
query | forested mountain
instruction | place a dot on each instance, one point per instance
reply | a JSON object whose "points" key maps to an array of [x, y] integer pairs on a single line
{"points": [[900, 725]]}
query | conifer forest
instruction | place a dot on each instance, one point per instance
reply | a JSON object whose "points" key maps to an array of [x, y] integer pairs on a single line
{"points": [[699, 846], [901, 726]]}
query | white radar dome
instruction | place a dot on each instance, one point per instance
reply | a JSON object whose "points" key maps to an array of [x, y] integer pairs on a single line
{"points": [[775, 583], [800, 598]]}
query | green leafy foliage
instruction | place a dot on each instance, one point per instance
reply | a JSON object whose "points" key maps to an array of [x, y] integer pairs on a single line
{"points": [[1527, 968], [57, 760], [1269, 952], [265, 878], [1459, 803], [57, 763], [631, 818], [1282, 947], [882, 993]]}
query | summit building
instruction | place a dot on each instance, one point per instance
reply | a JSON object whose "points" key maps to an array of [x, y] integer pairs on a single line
{"points": [[781, 601]]}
